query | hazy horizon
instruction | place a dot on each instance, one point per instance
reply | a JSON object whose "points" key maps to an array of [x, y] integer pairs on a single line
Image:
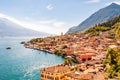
{"points": [[51, 16]]}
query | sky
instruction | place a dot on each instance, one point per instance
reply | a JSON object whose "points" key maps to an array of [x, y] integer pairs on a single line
{"points": [[51, 16]]}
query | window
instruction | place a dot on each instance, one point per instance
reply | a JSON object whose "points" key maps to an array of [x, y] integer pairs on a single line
{"points": [[57, 78], [89, 58], [83, 60], [42, 75]]}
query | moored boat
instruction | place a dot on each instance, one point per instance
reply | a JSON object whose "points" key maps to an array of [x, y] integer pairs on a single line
{"points": [[8, 47]]}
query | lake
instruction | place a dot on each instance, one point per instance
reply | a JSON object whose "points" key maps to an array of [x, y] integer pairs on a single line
{"points": [[20, 63]]}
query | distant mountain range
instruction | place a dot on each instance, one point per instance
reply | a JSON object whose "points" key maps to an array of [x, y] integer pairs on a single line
{"points": [[98, 17], [11, 29]]}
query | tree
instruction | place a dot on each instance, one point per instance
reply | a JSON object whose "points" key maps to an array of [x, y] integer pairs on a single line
{"points": [[112, 63], [65, 46], [40, 39], [60, 52], [68, 61], [117, 30]]}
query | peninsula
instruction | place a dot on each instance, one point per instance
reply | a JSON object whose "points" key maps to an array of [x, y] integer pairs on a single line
{"points": [[88, 49]]}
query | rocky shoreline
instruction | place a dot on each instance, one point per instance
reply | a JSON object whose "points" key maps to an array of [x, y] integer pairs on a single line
{"points": [[37, 49]]}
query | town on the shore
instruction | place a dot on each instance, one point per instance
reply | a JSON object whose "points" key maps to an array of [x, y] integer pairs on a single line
{"points": [[87, 52]]}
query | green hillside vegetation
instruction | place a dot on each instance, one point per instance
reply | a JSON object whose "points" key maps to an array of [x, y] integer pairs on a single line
{"points": [[117, 30], [36, 40], [112, 26], [60, 52], [111, 22], [112, 63], [95, 31]]}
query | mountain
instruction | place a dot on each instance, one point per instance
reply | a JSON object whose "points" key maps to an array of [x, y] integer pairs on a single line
{"points": [[11, 29], [98, 17], [112, 26]]}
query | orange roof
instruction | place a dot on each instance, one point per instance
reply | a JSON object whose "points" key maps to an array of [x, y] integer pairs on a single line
{"points": [[92, 39], [68, 51]]}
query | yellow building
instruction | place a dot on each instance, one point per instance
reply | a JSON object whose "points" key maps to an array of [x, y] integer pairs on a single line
{"points": [[55, 72], [78, 76]]}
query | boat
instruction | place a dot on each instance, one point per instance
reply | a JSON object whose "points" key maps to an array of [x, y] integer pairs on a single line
{"points": [[8, 47], [22, 42]]}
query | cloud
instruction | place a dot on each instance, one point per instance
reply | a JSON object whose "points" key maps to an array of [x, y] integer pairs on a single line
{"points": [[49, 7], [92, 1], [52, 26], [10, 18], [117, 2], [59, 24]]}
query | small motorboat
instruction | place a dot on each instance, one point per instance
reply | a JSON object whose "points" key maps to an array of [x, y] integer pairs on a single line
{"points": [[8, 47], [23, 42]]}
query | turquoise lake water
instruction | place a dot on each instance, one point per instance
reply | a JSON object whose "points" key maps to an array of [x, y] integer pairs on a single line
{"points": [[20, 63]]}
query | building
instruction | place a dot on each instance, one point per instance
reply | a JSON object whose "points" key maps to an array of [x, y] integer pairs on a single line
{"points": [[78, 76], [85, 57], [55, 72]]}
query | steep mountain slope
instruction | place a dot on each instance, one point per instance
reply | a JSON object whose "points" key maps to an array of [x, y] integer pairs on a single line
{"points": [[11, 29], [112, 26], [100, 16]]}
